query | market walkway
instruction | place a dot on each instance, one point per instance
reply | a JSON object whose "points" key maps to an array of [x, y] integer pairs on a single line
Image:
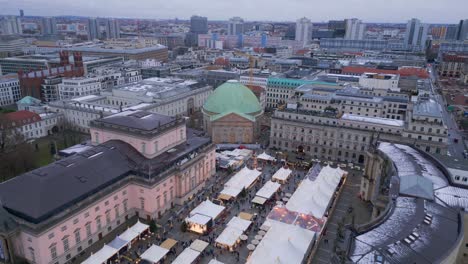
{"points": [[331, 244]]}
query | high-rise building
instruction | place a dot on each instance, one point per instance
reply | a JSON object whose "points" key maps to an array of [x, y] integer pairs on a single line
{"points": [[21, 13], [198, 25], [303, 30], [11, 25], [235, 26], [48, 26], [338, 27], [112, 29], [355, 29], [462, 30], [94, 31], [416, 35], [451, 33]]}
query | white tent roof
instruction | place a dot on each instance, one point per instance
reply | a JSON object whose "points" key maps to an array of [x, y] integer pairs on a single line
{"points": [[139, 227], [187, 256], [282, 174], [265, 156], [208, 208], [233, 192], [101, 256], [268, 189], [214, 261], [129, 235], [154, 253], [199, 219], [243, 179], [199, 245], [259, 200], [313, 197], [239, 223], [229, 236], [283, 243]]}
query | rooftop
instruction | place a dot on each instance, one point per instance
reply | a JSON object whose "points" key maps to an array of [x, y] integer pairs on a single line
{"points": [[42, 193], [141, 120], [428, 108]]}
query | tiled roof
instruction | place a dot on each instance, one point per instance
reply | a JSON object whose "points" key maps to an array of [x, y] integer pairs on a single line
{"points": [[20, 118], [407, 71]]}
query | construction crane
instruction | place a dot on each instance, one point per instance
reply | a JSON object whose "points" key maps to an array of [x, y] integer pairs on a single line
{"points": [[251, 64]]}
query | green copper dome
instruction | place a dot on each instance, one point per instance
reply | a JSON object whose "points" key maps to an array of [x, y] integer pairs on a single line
{"points": [[232, 96]]}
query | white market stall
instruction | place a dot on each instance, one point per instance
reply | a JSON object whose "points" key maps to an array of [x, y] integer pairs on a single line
{"points": [[281, 175], [199, 245], [314, 197], [202, 217], [134, 232], [154, 254], [102, 256], [230, 236], [188, 256], [244, 179], [268, 190], [214, 261], [265, 157]]}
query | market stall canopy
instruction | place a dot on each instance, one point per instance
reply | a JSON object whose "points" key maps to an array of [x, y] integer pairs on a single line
{"points": [[208, 208], [129, 235], [168, 243], [118, 243], [154, 254], [282, 174], [265, 156], [199, 219], [214, 261], [102, 256], [199, 245], [246, 216], [239, 223], [259, 200], [188, 256], [268, 189], [229, 236]]}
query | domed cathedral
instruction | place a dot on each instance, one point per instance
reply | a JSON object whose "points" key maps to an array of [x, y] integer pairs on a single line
{"points": [[230, 114]]}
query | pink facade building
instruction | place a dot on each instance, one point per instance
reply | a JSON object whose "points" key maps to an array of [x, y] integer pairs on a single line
{"points": [[142, 164]]}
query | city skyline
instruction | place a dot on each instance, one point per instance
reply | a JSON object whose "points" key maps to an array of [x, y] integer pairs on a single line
{"points": [[391, 12]]}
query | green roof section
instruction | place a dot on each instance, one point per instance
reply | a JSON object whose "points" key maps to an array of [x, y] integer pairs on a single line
{"points": [[232, 97], [294, 83], [29, 100], [218, 116]]}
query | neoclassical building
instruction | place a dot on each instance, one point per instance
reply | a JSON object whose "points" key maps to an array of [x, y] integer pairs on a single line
{"points": [[230, 114], [142, 164]]}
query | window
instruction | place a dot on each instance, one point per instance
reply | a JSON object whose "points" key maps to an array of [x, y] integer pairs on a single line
{"points": [[116, 197], [64, 228], [98, 223], [96, 209], [88, 229], [75, 221], [125, 206], [108, 218], [77, 236], [51, 235], [66, 246], [117, 213], [33, 255], [156, 149], [53, 252], [96, 137], [142, 203], [143, 147], [106, 203], [86, 214]]}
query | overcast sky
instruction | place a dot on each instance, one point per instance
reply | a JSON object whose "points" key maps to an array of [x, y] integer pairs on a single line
{"points": [[430, 11]]}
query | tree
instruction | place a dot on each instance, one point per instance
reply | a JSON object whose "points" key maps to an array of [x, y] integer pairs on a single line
{"points": [[183, 227], [152, 226]]}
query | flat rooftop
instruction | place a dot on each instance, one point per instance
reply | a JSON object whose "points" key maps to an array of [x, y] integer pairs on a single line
{"points": [[141, 120], [42, 193]]}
